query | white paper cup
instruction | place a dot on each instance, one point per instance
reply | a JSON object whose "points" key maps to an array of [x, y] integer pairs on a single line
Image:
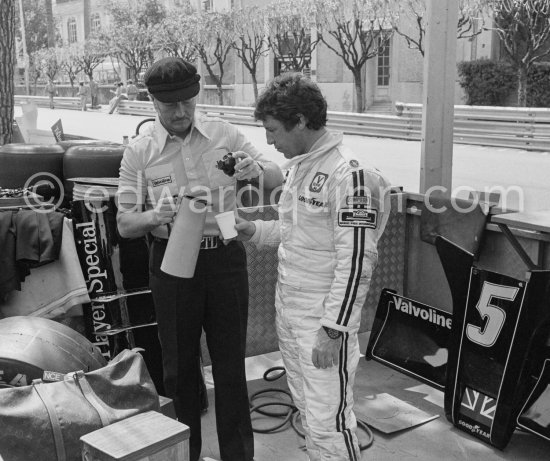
{"points": [[226, 223]]}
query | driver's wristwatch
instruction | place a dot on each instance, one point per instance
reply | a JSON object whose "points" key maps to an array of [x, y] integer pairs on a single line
{"points": [[332, 333]]}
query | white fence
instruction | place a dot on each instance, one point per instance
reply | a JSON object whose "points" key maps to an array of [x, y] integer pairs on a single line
{"points": [[522, 128]]}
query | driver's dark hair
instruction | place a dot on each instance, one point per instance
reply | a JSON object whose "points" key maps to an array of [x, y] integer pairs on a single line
{"points": [[289, 95]]}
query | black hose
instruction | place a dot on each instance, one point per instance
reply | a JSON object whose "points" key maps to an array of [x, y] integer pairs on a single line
{"points": [[292, 414]]}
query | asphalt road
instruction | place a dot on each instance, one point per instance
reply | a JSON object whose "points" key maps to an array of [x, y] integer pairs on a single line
{"points": [[523, 177]]}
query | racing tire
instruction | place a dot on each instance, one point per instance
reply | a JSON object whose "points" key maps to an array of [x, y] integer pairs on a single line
{"points": [[91, 161], [36, 166]]}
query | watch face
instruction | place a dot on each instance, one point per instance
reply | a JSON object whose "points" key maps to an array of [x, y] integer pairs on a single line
{"points": [[332, 333]]}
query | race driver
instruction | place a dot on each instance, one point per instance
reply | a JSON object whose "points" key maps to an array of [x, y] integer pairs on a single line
{"points": [[332, 212]]}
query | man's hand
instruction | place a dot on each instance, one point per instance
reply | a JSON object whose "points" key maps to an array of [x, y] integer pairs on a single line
{"points": [[325, 350], [245, 229], [164, 212], [246, 167]]}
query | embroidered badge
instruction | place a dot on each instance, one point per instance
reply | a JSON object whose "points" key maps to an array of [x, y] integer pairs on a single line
{"points": [[318, 182], [353, 163], [357, 200], [161, 181], [367, 218]]}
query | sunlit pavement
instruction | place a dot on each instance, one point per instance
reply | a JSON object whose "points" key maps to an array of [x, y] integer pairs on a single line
{"points": [[521, 175]]}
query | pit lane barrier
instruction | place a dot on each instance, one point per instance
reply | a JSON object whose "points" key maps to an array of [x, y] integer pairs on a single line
{"points": [[508, 127]]}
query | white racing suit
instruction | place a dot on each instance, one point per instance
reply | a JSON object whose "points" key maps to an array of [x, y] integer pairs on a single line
{"points": [[332, 211]]}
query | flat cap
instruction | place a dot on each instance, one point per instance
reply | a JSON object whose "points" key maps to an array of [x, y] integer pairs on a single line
{"points": [[172, 79]]}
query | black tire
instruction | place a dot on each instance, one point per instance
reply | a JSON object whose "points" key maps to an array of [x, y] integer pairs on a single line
{"points": [[41, 162], [31, 345], [91, 162]]}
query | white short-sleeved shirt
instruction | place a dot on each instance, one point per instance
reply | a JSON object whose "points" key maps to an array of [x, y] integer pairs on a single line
{"points": [[156, 164]]}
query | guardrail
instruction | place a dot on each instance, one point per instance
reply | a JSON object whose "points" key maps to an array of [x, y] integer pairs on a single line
{"points": [[515, 127], [60, 102]]}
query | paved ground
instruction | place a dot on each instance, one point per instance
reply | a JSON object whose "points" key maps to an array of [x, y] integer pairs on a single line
{"points": [[436, 440], [522, 175]]}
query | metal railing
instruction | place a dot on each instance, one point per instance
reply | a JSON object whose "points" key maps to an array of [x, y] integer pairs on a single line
{"points": [[60, 102], [515, 127]]}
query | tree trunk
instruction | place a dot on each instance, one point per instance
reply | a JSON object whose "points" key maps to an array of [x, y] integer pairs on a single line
{"points": [[220, 93], [255, 86], [522, 86], [50, 24], [359, 97], [7, 66]]}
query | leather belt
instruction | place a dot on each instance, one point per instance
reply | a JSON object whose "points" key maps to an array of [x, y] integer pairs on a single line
{"points": [[207, 243]]}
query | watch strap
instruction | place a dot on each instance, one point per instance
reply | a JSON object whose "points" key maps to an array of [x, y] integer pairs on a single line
{"points": [[332, 333]]}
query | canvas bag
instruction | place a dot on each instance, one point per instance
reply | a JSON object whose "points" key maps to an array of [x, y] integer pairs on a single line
{"points": [[46, 420]]}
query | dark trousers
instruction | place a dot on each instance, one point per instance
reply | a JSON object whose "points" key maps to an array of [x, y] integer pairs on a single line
{"points": [[216, 300]]}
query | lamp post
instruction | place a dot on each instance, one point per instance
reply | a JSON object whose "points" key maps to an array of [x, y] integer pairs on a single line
{"points": [[24, 40]]}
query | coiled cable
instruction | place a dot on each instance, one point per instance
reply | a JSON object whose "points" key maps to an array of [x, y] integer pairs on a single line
{"points": [[291, 415]]}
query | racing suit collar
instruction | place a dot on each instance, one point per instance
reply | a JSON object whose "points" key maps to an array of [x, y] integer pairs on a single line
{"points": [[324, 144]]}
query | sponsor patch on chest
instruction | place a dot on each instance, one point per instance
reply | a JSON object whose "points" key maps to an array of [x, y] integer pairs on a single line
{"points": [[358, 200], [318, 182], [156, 182], [367, 218]]}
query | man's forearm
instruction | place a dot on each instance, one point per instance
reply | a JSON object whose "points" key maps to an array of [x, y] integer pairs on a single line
{"points": [[133, 224]]}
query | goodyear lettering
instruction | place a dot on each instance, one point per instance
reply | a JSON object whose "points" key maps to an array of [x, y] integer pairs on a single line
{"points": [[312, 201], [474, 428], [429, 315]]}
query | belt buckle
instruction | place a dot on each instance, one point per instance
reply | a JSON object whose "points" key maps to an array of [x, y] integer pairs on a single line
{"points": [[209, 242]]}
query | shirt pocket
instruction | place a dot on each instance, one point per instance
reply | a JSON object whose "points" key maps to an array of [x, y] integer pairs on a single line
{"points": [[161, 181]]}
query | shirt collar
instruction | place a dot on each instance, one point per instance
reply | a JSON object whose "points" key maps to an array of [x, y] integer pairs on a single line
{"points": [[162, 134]]}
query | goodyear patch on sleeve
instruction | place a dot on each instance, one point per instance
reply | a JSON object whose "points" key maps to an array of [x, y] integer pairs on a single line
{"points": [[353, 217]]}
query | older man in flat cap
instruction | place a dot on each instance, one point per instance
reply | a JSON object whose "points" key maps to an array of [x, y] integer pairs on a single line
{"points": [[178, 155]]}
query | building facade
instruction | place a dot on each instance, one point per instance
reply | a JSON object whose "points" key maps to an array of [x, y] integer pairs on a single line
{"points": [[394, 75]]}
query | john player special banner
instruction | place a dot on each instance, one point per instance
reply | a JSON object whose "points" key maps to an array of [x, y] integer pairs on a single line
{"points": [[97, 245], [411, 337]]}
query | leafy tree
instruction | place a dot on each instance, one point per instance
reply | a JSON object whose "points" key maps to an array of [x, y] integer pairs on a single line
{"points": [[132, 34], [250, 42], [212, 37], [524, 31], [90, 55], [289, 24], [413, 28], [36, 29], [7, 66], [69, 61], [175, 40], [48, 62], [356, 30]]}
